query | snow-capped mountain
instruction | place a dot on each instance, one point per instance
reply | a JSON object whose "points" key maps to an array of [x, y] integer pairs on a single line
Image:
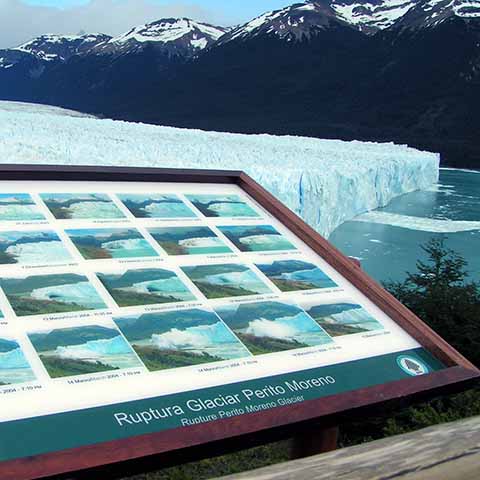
{"points": [[431, 13], [48, 48], [98, 62], [301, 20], [61, 47], [298, 21], [174, 36], [371, 16], [182, 37]]}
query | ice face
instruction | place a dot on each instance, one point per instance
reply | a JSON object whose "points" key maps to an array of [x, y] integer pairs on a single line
{"points": [[267, 242], [299, 327], [312, 275], [20, 213], [359, 318], [172, 286], [14, 359], [95, 349], [168, 210], [201, 242], [284, 327], [194, 337], [233, 278], [135, 247], [114, 352], [81, 293], [233, 210], [326, 182], [39, 253], [95, 210]]}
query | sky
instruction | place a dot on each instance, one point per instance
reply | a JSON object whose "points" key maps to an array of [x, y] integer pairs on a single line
{"points": [[22, 20]]}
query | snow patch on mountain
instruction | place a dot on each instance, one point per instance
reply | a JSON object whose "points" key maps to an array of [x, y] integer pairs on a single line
{"points": [[61, 47], [169, 30], [301, 20], [325, 181], [179, 33], [431, 13], [372, 16], [297, 21]]}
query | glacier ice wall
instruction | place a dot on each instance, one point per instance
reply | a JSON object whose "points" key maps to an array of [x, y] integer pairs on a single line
{"points": [[325, 181]]}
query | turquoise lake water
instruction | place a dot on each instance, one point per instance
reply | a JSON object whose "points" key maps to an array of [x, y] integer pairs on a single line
{"points": [[388, 241]]}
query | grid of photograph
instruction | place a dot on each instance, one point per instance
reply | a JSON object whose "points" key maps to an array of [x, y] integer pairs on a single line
{"points": [[181, 280]]}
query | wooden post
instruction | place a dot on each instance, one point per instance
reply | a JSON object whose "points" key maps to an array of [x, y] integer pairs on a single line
{"points": [[314, 442]]}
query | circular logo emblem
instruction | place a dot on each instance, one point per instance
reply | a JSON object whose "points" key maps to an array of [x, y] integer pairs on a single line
{"points": [[412, 366]]}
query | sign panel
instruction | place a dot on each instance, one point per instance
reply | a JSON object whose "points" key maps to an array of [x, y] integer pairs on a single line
{"points": [[137, 308]]}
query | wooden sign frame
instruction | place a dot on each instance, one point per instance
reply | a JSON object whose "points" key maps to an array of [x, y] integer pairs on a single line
{"points": [[186, 443]]}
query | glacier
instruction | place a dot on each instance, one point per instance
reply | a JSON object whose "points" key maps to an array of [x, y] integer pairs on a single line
{"points": [[326, 182]]}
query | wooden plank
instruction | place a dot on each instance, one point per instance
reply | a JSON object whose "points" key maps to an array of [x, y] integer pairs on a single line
{"points": [[450, 451]]}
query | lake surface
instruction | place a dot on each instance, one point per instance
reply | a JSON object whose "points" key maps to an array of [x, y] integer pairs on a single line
{"points": [[388, 241]]}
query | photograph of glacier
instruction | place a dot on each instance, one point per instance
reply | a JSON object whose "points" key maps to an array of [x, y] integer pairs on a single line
{"points": [[43, 294], [268, 327], [156, 206], [88, 206], [145, 287], [19, 207], [222, 206], [256, 238], [67, 352], [293, 275], [32, 248], [189, 240], [104, 243], [339, 319], [226, 280], [14, 367], [180, 338]]}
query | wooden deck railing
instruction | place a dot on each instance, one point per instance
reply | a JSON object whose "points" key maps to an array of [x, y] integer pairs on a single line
{"points": [[444, 452]]}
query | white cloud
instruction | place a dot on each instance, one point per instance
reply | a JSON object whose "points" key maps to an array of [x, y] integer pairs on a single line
{"points": [[20, 22]]}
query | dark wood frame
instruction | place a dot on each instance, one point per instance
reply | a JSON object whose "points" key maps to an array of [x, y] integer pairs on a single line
{"points": [[184, 444]]}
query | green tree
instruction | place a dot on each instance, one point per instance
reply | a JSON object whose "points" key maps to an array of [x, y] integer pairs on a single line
{"points": [[441, 294], [443, 297]]}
